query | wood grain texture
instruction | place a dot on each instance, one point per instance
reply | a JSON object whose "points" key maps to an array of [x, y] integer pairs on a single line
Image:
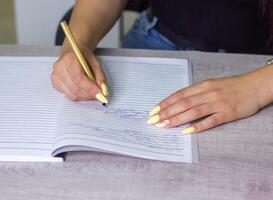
{"points": [[236, 159]]}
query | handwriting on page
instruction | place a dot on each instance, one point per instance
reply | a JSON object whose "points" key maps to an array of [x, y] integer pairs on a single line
{"points": [[36, 120], [136, 86]]}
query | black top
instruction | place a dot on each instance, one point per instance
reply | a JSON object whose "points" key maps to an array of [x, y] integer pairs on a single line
{"points": [[233, 25]]}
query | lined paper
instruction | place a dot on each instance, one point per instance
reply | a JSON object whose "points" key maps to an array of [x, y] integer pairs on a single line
{"points": [[36, 121], [29, 109], [136, 85]]}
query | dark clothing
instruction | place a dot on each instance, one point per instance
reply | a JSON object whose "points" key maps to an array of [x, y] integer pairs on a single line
{"points": [[137, 5], [210, 25], [59, 39]]}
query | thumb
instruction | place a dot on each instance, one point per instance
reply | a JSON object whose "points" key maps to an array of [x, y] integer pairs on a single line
{"points": [[98, 73]]}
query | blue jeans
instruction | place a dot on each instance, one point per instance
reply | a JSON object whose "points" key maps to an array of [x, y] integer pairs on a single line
{"points": [[143, 35]]}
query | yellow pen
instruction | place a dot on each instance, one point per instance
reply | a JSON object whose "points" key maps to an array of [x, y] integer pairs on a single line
{"points": [[81, 59]]}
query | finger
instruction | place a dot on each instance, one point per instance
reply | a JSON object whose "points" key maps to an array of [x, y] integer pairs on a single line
{"points": [[60, 86], [68, 82], [64, 73], [183, 105], [83, 82], [73, 91], [56, 83], [186, 92], [191, 115], [76, 95], [99, 74], [207, 123], [97, 69], [61, 70], [75, 74]]}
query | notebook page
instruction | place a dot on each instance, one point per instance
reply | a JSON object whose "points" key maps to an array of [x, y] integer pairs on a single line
{"points": [[136, 85], [29, 109]]}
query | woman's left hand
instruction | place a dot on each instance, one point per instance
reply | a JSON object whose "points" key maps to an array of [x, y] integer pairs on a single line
{"points": [[215, 101]]}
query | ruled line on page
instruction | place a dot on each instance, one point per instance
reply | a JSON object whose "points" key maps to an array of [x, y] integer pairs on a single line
{"points": [[136, 85], [29, 106]]}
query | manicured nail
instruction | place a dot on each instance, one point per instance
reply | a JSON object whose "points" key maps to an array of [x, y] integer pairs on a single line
{"points": [[162, 124], [104, 89], [154, 111], [102, 98], [188, 130], [154, 119]]}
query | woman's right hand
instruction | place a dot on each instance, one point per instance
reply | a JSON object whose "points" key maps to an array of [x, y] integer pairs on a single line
{"points": [[69, 78]]}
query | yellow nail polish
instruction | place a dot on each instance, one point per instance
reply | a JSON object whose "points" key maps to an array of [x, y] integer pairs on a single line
{"points": [[188, 130], [102, 98], [162, 124], [154, 119], [154, 111], [104, 89]]}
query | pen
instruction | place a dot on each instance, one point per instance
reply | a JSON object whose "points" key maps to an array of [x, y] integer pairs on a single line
{"points": [[81, 59]]}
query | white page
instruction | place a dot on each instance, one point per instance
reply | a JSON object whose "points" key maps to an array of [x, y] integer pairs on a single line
{"points": [[136, 85], [29, 109]]}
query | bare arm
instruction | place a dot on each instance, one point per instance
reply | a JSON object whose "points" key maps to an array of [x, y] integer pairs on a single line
{"points": [[92, 19], [264, 83]]}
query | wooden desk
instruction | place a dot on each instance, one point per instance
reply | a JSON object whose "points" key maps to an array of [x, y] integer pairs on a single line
{"points": [[236, 159]]}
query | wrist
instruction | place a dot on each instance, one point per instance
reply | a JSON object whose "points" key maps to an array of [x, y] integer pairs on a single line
{"points": [[82, 37], [262, 82], [66, 47]]}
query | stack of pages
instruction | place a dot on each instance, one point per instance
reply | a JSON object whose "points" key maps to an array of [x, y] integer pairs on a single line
{"points": [[38, 123]]}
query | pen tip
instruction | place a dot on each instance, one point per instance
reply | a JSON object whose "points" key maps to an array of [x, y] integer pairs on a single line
{"points": [[104, 104]]}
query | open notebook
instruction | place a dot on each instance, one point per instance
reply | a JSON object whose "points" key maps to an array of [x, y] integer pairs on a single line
{"points": [[37, 123]]}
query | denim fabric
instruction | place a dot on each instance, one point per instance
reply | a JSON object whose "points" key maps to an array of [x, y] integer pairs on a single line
{"points": [[143, 35]]}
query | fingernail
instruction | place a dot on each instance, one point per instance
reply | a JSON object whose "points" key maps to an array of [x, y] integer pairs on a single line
{"points": [[104, 89], [188, 130], [154, 119], [102, 98], [154, 111], [162, 124]]}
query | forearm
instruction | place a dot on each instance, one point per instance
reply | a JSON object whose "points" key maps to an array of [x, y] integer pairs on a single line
{"points": [[91, 20], [263, 79]]}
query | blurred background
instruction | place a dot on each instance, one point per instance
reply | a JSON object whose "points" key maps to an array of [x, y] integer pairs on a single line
{"points": [[34, 22]]}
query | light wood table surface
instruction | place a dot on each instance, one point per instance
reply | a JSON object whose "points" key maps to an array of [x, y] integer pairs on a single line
{"points": [[236, 159]]}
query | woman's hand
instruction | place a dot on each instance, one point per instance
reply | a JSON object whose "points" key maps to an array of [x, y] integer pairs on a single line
{"points": [[69, 78], [215, 101]]}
